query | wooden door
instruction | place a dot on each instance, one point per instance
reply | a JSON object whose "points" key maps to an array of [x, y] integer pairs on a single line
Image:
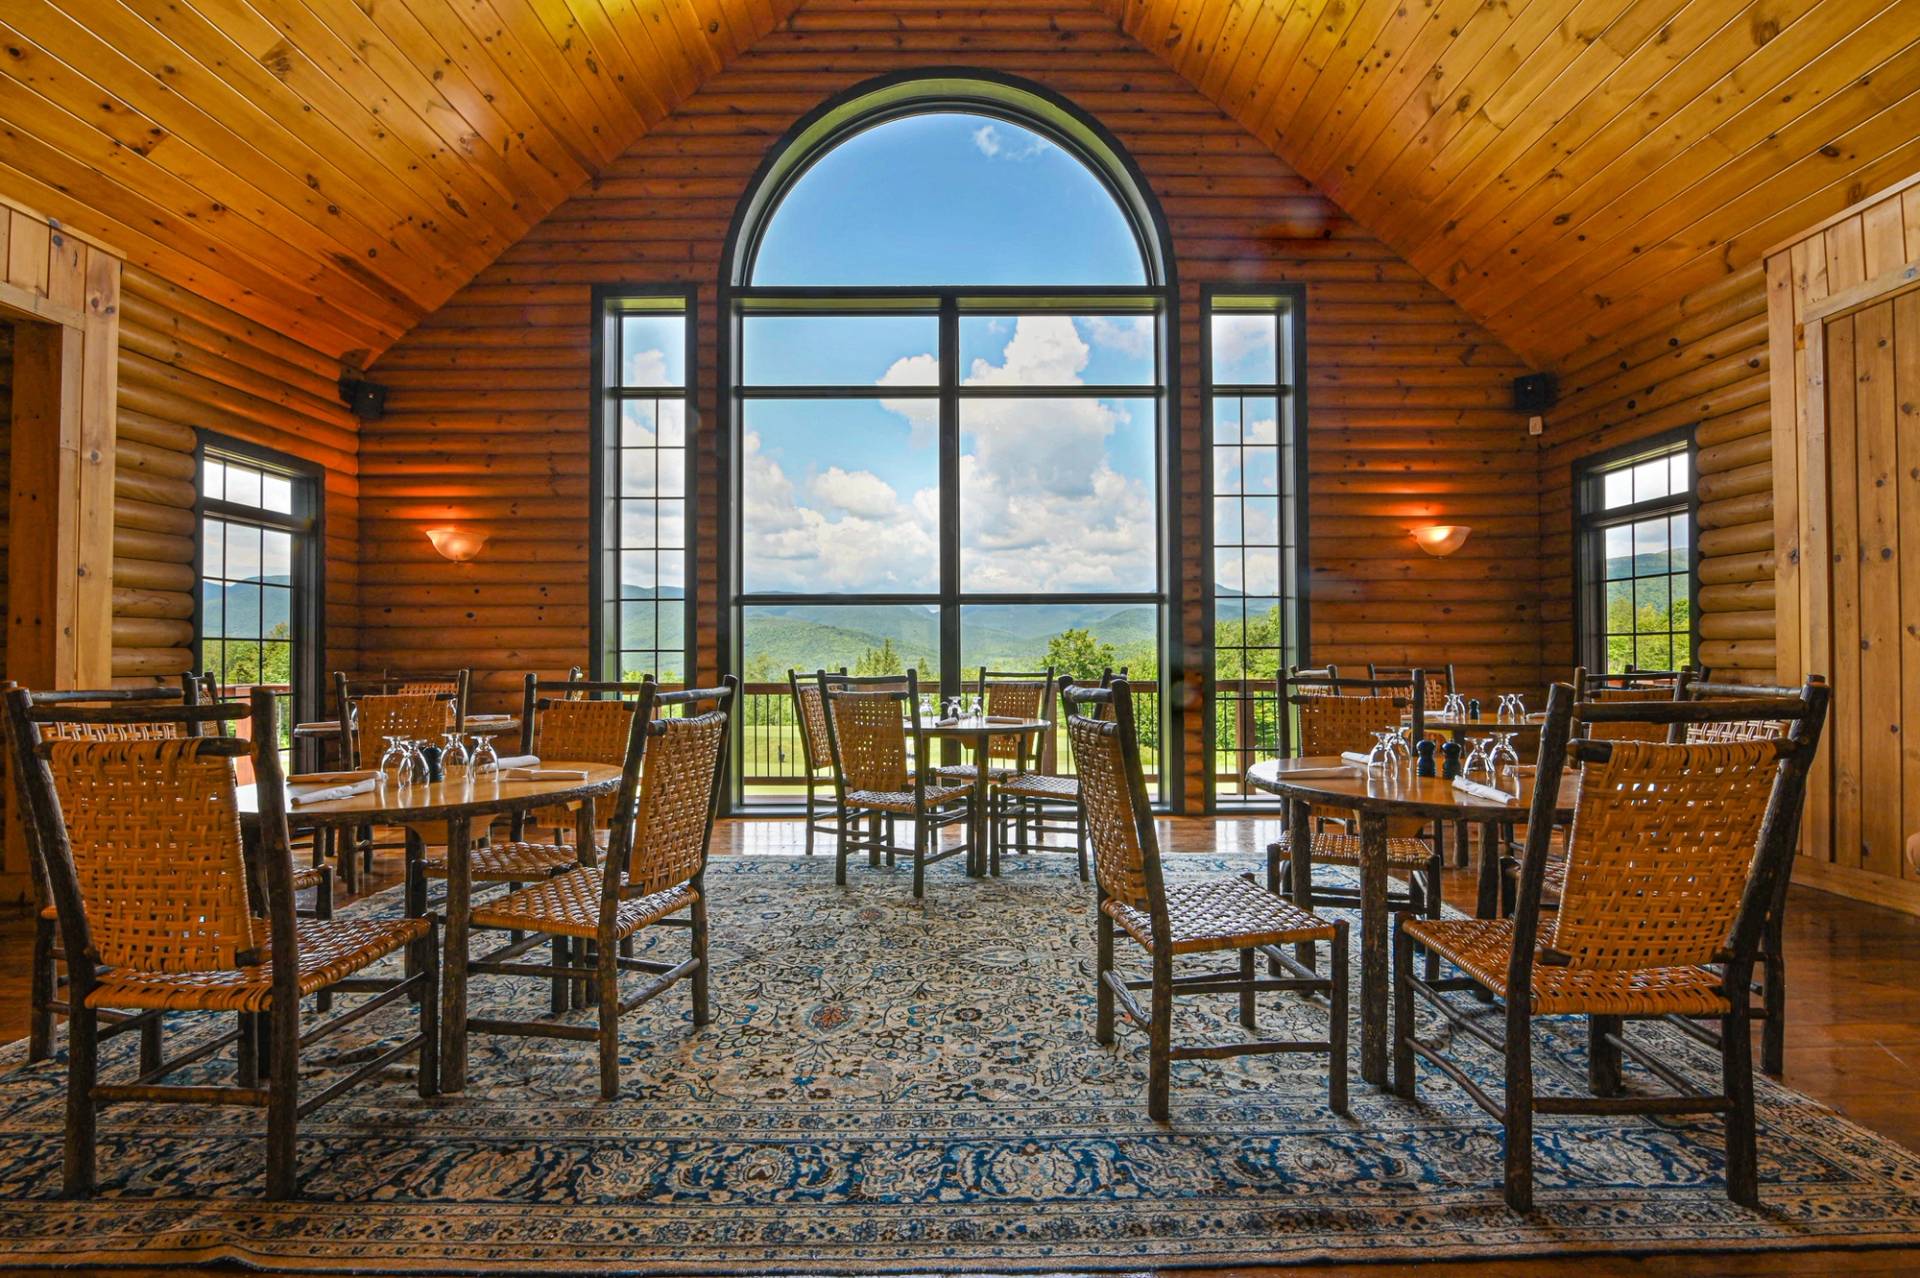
{"points": [[1865, 807]]}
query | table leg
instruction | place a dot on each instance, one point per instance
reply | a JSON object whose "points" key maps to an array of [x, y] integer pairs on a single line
{"points": [[584, 835], [1488, 904], [453, 972], [978, 827], [1300, 867], [1373, 947]]}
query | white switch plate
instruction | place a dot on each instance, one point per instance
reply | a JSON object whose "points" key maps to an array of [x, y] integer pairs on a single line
{"points": [[1535, 425]]}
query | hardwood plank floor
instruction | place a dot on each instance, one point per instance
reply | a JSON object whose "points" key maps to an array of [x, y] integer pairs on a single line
{"points": [[1853, 1043]]}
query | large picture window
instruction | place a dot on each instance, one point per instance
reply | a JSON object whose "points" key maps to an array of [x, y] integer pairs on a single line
{"points": [[1634, 513], [1254, 347], [259, 610], [643, 368], [949, 415]]}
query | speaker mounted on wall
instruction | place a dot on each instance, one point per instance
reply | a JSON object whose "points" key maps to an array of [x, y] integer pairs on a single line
{"points": [[368, 400], [1535, 393]]}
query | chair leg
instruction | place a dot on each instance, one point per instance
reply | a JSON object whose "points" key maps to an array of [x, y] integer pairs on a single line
{"points": [[246, 1049], [44, 982], [840, 852], [1247, 1012], [1435, 906], [1603, 1057], [1337, 1023], [561, 994], [1160, 1039], [1736, 1068], [283, 1100], [429, 1064], [1519, 1107], [810, 816], [609, 981], [322, 909], [1102, 993], [1404, 1076], [1773, 994], [919, 856], [150, 1046], [701, 1003], [79, 1174], [1080, 838]]}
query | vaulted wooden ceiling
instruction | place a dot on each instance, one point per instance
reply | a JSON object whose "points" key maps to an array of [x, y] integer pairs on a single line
{"points": [[339, 167]]}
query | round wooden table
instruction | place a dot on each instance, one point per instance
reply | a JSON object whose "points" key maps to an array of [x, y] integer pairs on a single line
{"points": [[456, 802], [1374, 797], [976, 734]]}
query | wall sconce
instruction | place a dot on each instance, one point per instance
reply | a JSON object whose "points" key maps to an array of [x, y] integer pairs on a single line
{"points": [[1441, 540], [457, 544]]}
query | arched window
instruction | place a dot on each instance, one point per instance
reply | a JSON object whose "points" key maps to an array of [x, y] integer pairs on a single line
{"points": [[949, 304]]}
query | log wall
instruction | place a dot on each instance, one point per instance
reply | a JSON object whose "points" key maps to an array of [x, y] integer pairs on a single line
{"points": [[186, 365], [1701, 362], [487, 421]]}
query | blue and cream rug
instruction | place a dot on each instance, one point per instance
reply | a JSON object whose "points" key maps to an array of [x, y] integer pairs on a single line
{"points": [[889, 1086]]}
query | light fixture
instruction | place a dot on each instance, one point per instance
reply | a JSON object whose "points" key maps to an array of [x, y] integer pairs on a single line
{"points": [[1441, 540], [457, 544]]}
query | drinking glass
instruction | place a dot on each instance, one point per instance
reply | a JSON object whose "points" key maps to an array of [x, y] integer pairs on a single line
{"points": [[485, 758], [1503, 759], [973, 707], [392, 762], [1519, 707], [1476, 766], [1456, 707], [453, 755], [1401, 746], [926, 707], [1380, 758]]}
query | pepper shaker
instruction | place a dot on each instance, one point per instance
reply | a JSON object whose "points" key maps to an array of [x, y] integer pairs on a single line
{"points": [[1450, 760], [1425, 750]]}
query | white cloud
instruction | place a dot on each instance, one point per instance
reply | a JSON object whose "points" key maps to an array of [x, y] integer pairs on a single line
{"points": [[1131, 337], [794, 547], [856, 492], [990, 142], [922, 414], [647, 368], [1235, 337], [986, 139]]}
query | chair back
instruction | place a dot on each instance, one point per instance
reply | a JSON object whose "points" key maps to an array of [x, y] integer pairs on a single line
{"points": [[672, 782], [418, 716], [1308, 681], [1348, 712], [1439, 683], [578, 720], [1692, 686], [1113, 795], [134, 813], [810, 716], [1015, 695], [186, 694], [1675, 846], [867, 728]]}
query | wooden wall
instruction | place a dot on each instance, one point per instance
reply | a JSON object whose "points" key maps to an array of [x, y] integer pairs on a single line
{"points": [[487, 421], [1700, 362], [186, 365]]}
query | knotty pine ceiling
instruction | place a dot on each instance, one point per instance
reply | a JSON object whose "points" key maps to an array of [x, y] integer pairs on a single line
{"points": [[338, 168]]}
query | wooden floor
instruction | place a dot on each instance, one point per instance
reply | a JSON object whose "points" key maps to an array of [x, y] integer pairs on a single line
{"points": [[1853, 1018]]}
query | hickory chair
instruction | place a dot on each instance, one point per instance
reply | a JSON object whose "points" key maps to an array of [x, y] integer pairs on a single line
{"points": [[867, 731], [1439, 685], [1674, 857], [577, 721], [1343, 719], [1195, 917], [816, 759], [661, 828], [372, 709], [144, 854]]}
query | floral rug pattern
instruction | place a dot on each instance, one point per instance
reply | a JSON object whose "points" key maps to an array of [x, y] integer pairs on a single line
{"points": [[895, 1086]]}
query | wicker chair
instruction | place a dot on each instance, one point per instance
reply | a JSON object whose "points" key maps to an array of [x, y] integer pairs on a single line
{"points": [[142, 845], [371, 709], [1770, 962], [1340, 720], [654, 876], [576, 721], [1674, 857], [810, 717], [867, 730], [1439, 683], [1013, 695], [1200, 917]]}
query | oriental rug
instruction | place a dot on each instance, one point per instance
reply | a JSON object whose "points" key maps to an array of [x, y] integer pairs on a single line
{"points": [[892, 1085]]}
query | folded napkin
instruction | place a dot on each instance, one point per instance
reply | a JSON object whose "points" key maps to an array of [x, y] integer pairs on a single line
{"points": [[1354, 756], [519, 761], [330, 778], [1294, 774], [304, 797], [1006, 718], [1479, 791], [544, 774], [489, 718]]}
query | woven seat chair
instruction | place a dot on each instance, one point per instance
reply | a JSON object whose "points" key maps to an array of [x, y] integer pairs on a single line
{"points": [[654, 876], [1341, 720], [1031, 807], [816, 758], [575, 721], [1673, 859], [868, 720], [1314, 681], [142, 844], [371, 709], [1012, 695], [1209, 916], [1438, 683]]}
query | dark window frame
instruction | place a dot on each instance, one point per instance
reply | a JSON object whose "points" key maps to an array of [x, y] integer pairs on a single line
{"points": [[307, 526], [610, 302], [1030, 106], [1290, 356], [1591, 519]]}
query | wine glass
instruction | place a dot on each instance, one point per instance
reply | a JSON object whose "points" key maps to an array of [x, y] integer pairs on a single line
{"points": [[392, 763], [1456, 707], [926, 707], [1519, 707], [973, 707], [485, 758], [1380, 758], [1477, 765], [453, 755], [1401, 746], [1503, 758]]}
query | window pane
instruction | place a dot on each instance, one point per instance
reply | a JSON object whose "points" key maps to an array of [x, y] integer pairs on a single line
{"points": [[1650, 480], [276, 494], [243, 552], [276, 612], [836, 350], [1618, 485], [1057, 350], [243, 485], [839, 496], [653, 350], [1619, 552], [865, 638], [1245, 350], [276, 563], [1057, 495], [213, 483]]}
